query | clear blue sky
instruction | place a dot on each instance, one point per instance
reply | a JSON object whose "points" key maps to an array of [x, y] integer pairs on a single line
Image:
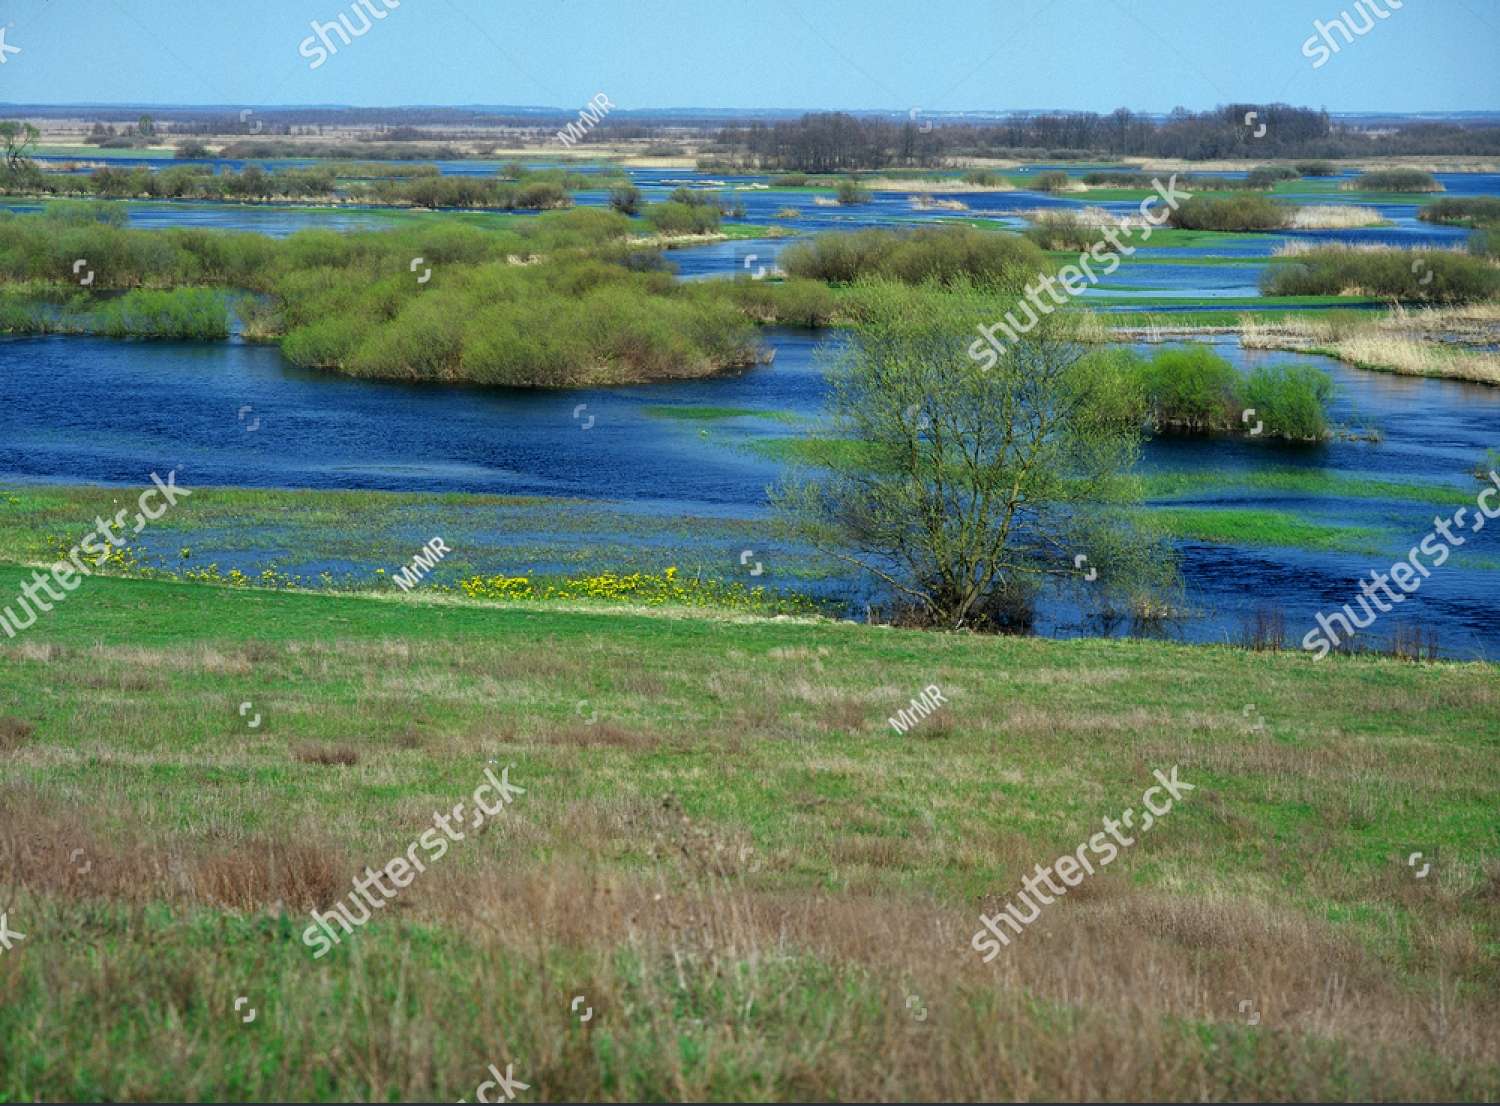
{"points": [[1150, 55]]}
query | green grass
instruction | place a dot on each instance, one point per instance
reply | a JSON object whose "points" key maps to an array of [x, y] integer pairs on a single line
{"points": [[760, 879], [1279, 529], [1310, 482], [708, 413]]}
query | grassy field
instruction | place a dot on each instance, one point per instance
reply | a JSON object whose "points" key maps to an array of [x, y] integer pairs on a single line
{"points": [[727, 857]]}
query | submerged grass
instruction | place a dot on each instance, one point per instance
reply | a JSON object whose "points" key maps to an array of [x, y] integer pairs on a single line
{"points": [[1278, 529]]}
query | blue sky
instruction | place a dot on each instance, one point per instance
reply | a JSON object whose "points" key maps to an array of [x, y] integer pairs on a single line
{"points": [[938, 55]]}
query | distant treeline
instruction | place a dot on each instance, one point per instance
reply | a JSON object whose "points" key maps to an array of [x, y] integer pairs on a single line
{"points": [[517, 189], [834, 141]]}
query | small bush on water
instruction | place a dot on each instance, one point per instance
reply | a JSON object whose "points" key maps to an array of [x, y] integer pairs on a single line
{"points": [[1291, 400], [1265, 176], [946, 255], [852, 192], [626, 199], [1394, 180], [1410, 275], [674, 217], [1190, 389], [1462, 210], [1063, 230], [1052, 181], [184, 313], [1316, 168], [1119, 178], [1195, 390], [1246, 212]]}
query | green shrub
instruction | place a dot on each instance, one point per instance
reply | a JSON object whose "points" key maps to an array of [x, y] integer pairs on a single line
{"points": [[947, 255], [851, 191], [1316, 168], [1266, 176], [1064, 231], [789, 302], [1290, 400], [1436, 275], [672, 217], [1194, 390], [183, 313], [984, 178], [1244, 212], [1462, 210], [1119, 178], [1191, 389], [1395, 180], [1051, 181]]}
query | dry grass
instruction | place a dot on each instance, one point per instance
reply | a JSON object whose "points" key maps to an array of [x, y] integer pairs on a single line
{"points": [[331, 755], [1404, 342], [923, 184], [1089, 216], [1296, 247], [1335, 217], [909, 1012], [927, 203], [14, 732]]}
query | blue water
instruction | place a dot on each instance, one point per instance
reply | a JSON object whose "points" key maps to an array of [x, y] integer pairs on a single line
{"points": [[84, 410]]}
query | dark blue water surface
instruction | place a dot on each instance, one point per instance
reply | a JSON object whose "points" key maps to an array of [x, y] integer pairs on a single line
{"points": [[83, 410]]}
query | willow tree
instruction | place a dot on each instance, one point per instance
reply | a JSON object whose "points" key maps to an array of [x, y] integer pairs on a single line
{"points": [[966, 491]]}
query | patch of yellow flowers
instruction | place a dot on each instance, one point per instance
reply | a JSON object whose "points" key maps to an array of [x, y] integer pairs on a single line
{"points": [[649, 589]]}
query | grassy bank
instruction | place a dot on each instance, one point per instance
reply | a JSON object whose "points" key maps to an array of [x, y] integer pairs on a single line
{"points": [[781, 887]]}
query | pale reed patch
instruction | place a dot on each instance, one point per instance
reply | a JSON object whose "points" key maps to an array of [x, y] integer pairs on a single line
{"points": [[1335, 217], [1089, 216], [919, 184], [927, 203], [196, 658], [1412, 357], [1297, 247], [36, 651]]}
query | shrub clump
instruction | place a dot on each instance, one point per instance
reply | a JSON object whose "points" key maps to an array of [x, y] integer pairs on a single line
{"points": [[1439, 276], [1245, 212], [1394, 180], [1266, 176], [1194, 390], [1468, 210], [1053, 180], [947, 255], [1316, 168], [850, 192], [1064, 230]]}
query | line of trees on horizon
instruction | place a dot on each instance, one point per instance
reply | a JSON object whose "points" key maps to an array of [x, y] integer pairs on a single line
{"points": [[824, 142]]}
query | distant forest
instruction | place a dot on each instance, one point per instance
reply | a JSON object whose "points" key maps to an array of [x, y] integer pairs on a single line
{"points": [[834, 141], [822, 142]]}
